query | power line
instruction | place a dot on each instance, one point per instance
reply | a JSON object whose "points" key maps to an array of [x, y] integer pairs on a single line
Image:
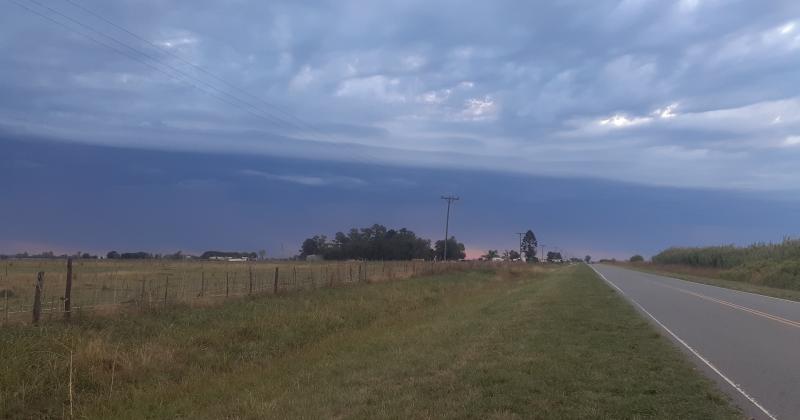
{"points": [[122, 52], [180, 75], [183, 76], [181, 59]]}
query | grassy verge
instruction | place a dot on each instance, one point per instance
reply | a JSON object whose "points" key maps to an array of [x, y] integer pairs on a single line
{"points": [[706, 276], [530, 344]]}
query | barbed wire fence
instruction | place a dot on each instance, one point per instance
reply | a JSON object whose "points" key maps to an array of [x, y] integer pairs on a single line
{"points": [[109, 287]]}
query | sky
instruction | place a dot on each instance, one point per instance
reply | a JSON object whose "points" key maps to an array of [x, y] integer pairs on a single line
{"points": [[607, 127]]}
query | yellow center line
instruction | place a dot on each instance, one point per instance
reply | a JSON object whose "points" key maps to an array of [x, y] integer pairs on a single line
{"points": [[785, 321]]}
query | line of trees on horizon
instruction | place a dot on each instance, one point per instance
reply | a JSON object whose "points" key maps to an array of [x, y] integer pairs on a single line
{"points": [[138, 255], [378, 242], [527, 247]]}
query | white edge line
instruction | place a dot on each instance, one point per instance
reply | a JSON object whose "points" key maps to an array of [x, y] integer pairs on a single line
{"points": [[694, 352]]}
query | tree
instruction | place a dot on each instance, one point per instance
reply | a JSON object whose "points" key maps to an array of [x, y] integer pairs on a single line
{"points": [[113, 255], [141, 255], [637, 258], [529, 244], [314, 246], [376, 242], [455, 249], [513, 255], [554, 256], [588, 259], [176, 256], [262, 254], [490, 255]]}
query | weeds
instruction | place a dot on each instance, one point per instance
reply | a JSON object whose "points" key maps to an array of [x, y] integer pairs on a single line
{"points": [[767, 264]]}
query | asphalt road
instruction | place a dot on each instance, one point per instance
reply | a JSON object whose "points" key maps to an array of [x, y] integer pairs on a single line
{"points": [[748, 344]]}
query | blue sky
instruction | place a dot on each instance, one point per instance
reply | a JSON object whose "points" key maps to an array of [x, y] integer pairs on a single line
{"points": [[609, 127]]}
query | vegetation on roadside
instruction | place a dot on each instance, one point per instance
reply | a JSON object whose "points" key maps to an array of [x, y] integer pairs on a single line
{"points": [[519, 341], [711, 276], [774, 265]]}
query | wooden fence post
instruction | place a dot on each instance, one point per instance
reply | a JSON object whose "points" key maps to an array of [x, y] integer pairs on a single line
{"points": [[68, 292], [251, 281], [166, 290], [7, 292], [202, 283], [275, 282], [37, 297], [227, 284], [141, 300]]}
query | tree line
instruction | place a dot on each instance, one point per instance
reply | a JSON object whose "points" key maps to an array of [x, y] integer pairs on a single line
{"points": [[377, 242], [528, 246]]}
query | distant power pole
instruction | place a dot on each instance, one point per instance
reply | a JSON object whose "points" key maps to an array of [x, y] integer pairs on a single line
{"points": [[520, 244], [450, 199]]}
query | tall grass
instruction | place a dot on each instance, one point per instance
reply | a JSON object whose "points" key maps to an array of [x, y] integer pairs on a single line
{"points": [[770, 264]]}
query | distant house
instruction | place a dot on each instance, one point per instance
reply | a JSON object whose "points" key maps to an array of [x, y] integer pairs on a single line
{"points": [[229, 259], [228, 256], [314, 258]]}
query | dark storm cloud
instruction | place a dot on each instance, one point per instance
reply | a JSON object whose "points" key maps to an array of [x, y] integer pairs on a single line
{"points": [[68, 197], [684, 93]]}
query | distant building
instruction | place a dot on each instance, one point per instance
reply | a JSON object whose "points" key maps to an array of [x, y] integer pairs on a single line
{"points": [[314, 258], [229, 259]]}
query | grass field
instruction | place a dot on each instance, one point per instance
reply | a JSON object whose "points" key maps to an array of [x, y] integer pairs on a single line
{"points": [[711, 276], [515, 342]]}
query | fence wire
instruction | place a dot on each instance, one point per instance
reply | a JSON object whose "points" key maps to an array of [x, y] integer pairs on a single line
{"points": [[111, 286]]}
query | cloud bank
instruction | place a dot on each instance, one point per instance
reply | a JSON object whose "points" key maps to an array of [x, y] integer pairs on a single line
{"points": [[687, 93]]}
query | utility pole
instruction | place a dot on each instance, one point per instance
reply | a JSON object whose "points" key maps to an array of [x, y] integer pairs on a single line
{"points": [[542, 246], [520, 244], [450, 199]]}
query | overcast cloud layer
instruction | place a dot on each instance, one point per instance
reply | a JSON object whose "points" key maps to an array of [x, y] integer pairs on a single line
{"points": [[685, 93]]}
